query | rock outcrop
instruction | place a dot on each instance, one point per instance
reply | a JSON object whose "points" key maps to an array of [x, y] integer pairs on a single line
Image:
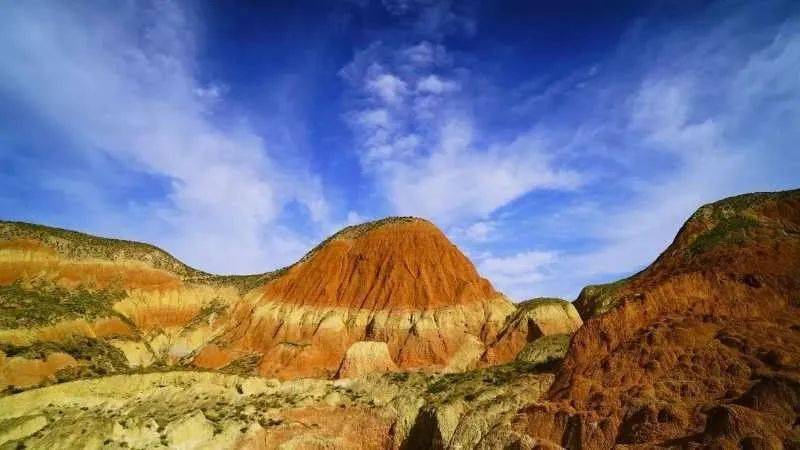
{"points": [[366, 357], [398, 281], [206, 410], [532, 320]]}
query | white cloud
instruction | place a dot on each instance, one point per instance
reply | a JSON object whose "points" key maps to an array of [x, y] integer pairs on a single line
{"points": [[121, 82], [423, 153], [722, 122], [388, 87], [434, 85], [481, 231], [714, 152], [425, 55], [458, 182], [517, 275], [354, 218]]}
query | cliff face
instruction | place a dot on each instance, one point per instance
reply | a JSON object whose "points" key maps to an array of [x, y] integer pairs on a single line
{"points": [[398, 281], [701, 348]]}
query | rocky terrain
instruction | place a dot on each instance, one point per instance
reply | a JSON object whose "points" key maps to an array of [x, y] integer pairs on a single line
{"points": [[385, 336], [699, 350]]}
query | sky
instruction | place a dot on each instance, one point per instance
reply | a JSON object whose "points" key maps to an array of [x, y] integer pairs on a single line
{"points": [[558, 144]]}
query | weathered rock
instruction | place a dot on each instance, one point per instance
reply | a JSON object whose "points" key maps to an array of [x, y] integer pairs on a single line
{"points": [[532, 320], [366, 357]]}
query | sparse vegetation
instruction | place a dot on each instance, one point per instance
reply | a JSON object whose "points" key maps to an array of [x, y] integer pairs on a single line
{"points": [[462, 383], [78, 245], [246, 365], [597, 299], [540, 301], [216, 306], [731, 229], [41, 303], [354, 231], [545, 350]]}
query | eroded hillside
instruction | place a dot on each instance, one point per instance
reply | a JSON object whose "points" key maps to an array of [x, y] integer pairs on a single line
{"points": [[701, 349]]}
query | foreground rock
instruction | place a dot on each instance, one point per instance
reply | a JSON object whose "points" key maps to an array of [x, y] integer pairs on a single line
{"points": [[196, 410]]}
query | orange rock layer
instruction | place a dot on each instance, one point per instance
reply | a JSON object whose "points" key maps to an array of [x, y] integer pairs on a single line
{"points": [[405, 264]]}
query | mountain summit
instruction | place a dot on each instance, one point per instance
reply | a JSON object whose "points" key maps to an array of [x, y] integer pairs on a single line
{"points": [[397, 280], [396, 264]]}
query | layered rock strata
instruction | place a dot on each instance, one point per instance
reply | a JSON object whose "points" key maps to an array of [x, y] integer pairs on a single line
{"points": [[398, 281]]}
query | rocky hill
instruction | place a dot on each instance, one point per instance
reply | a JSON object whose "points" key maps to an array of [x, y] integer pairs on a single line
{"points": [[398, 281], [391, 309], [701, 349]]}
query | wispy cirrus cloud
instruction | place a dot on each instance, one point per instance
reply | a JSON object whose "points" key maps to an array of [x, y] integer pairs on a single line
{"points": [[411, 112], [121, 82], [712, 114]]}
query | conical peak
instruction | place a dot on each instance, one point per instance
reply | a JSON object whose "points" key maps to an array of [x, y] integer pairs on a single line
{"points": [[400, 224], [409, 222], [392, 263]]}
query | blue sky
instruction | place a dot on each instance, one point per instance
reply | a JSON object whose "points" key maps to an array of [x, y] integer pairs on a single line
{"points": [[558, 145]]}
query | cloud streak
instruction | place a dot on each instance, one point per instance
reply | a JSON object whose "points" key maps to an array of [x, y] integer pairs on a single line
{"points": [[417, 138], [123, 83], [712, 115]]}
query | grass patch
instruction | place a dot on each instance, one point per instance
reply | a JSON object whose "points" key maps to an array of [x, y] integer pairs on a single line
{"points": [[733, 229]]}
